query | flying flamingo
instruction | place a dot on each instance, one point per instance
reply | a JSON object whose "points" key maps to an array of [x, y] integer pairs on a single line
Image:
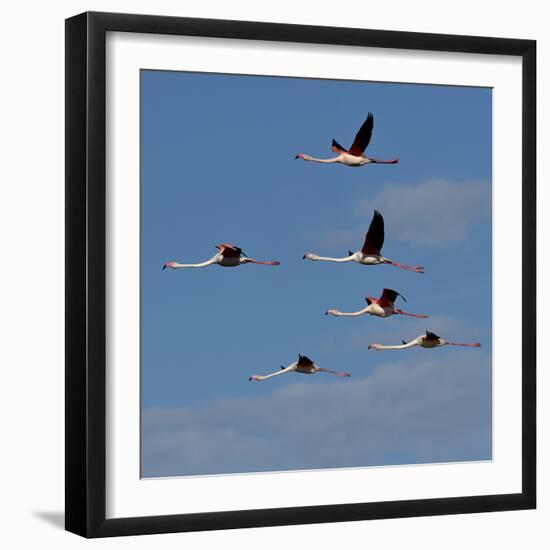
{"points": [[429, 340], [380, 307], [228, 256], [354, 156], [304, 365], [370, 253]]}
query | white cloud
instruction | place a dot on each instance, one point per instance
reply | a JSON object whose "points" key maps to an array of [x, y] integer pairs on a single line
{"points": [[428, 407], [435, 212]]}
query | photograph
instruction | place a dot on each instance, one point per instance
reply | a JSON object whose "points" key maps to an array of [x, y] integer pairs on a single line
{"points": [[275, 275], [366, 200]]}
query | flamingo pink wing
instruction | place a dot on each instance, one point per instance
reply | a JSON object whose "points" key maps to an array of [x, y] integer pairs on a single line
{"points": [[304, 361], [374, 239], [362, 137], [229, 250], [337, 148], [388, 297]]}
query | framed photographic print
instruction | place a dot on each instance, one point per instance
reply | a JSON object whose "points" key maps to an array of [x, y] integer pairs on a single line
{"points": [[291, 256]]}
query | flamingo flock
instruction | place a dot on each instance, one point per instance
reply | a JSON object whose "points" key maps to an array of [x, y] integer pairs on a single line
{"points": [[229, 255]]}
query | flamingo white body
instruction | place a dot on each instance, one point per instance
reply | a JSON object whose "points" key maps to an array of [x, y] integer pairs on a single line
{"points": [[358, 257], [379, 307], [346, 159], [304, 365], [428, 341], [354, 156], [370, 254], [228, 256]]}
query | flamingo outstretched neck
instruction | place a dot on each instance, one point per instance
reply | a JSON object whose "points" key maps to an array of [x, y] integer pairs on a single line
{"points": [[313, 159], [379, 347], [176, 265], [336, 313], [316, 258]]}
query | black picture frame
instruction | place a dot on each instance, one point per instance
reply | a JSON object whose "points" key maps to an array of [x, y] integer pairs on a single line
{"points": [[86, 275]]}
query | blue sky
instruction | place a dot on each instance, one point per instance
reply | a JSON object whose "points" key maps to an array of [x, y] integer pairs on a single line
{"points": [[217, 165]]}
